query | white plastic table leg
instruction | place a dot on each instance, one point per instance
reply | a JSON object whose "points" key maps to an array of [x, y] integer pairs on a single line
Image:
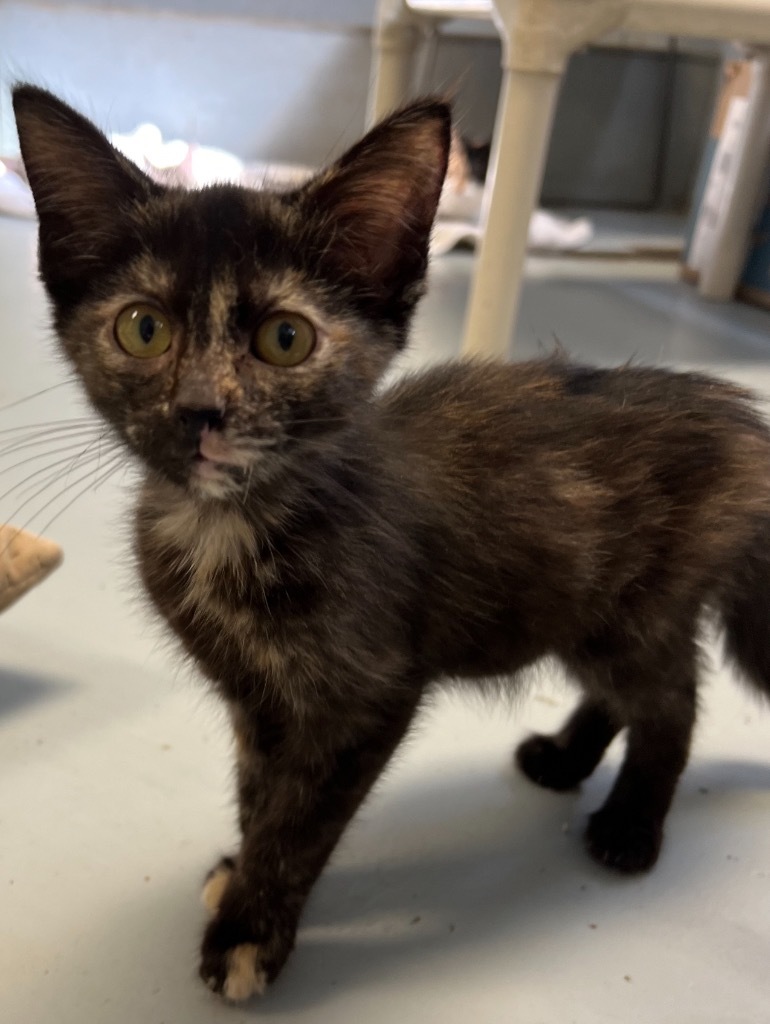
{"points": [[395, 46], [522, 132]]}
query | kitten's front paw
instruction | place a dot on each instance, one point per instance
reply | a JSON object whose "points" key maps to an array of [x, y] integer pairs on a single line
{"points": [[244, 947], [235, 973], [623, 841]]}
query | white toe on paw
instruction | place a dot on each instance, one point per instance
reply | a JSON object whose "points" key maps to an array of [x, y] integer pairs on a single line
{"points": [[244, 978], [214, 888]]}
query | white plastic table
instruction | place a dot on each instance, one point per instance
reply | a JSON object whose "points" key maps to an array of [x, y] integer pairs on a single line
{"points": [[538, 37]]}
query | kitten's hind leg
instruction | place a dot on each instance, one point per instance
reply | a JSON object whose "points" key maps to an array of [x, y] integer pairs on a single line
{"points": [[627, 831], [562, 761]]}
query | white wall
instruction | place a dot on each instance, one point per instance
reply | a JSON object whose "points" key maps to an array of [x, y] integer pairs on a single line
{"points": [[252, 88], [330, 12], [260, 88]]}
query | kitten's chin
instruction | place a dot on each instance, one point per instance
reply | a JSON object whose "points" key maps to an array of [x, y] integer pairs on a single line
{"points": [[212, 481]]}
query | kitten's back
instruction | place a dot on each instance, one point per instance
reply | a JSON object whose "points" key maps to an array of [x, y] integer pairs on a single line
{"points": [[616, 497]]}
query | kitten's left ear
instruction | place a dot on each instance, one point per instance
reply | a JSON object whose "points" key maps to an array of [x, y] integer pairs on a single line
{"points": [[378, 201], [81, 184]]}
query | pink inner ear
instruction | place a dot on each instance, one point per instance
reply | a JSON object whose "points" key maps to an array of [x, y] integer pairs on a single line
{"points": [[381, 197], [77, 178], [380, 219]]}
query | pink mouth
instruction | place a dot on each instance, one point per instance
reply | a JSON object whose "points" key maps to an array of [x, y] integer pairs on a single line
{"points": [[214, 452], [213, 446]]}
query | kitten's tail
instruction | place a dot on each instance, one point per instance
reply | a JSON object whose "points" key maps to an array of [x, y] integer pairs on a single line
{"points": [[746, 612]]}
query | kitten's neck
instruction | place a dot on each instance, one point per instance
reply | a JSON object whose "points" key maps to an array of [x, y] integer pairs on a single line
{"points": [[325, 478]]}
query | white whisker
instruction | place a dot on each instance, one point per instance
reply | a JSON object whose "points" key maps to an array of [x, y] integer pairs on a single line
{"points": [[75, 436], [90, 474], [71, 446], [53, 478], [79, 421], [37, 394], [113, 468]]}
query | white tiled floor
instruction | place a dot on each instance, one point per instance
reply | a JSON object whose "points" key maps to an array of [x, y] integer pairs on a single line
{"points": [[461, 893]]}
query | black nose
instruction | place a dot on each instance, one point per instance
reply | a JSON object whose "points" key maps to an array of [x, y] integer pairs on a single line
{"points": [[196, 419]]}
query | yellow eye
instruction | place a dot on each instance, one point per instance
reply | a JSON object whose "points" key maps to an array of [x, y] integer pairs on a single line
{"points": [[143, 331], [284, 339]]}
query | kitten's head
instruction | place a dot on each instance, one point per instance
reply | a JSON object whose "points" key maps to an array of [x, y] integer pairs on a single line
{"points": [[223, 332]]}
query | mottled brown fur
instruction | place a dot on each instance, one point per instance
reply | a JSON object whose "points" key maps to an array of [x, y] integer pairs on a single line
{"points": [[363, 546]]}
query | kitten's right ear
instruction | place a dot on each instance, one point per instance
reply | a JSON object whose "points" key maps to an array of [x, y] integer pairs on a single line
{"points": [[81, 184], [378, 201]]}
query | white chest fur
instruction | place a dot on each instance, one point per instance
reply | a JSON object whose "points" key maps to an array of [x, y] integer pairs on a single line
{"points": [[205, 539]]}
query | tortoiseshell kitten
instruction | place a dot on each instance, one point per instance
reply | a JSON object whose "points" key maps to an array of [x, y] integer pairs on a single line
{"points": [[326, 552]]}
